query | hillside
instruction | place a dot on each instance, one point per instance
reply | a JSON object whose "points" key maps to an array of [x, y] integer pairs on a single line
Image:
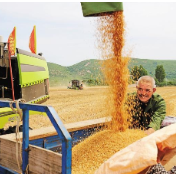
{"points": [[60, 75], [90, 69], [150, 66]]}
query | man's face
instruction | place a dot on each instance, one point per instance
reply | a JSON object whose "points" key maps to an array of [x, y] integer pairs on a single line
{"points": [[145, 91]]}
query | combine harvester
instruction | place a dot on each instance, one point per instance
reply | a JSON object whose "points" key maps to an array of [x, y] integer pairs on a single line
{"points": [[22, 77], [46, 150], [75, 84]]}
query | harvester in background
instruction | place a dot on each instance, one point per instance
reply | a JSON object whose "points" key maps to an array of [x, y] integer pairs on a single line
{"points": [[22, 76], [75, 84]]}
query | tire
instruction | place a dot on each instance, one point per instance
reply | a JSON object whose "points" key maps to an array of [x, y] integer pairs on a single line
{"points": [[12, 129]]}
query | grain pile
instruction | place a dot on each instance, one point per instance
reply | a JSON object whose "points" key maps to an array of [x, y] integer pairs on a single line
{"points": [[93, 151]]}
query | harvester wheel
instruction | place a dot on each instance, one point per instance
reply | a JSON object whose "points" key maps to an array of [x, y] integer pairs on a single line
{"points": [[21, 128], [12, 129]]}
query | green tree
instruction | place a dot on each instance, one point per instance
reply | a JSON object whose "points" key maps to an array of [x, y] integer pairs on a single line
{"points": [[137, 72], [160, 73]]}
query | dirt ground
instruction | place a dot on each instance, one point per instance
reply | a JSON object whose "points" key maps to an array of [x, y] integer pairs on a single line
{"points": [[89, 103], [73, 105]]}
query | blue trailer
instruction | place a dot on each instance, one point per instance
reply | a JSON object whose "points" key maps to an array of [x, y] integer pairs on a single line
{"points": [[55, 142]]}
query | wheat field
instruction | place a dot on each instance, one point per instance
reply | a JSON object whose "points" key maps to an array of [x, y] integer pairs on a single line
{"points": [[89, 103]]}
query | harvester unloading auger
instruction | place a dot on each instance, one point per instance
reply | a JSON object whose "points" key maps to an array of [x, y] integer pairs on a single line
{"points": [[30, 78], [94, 9]]}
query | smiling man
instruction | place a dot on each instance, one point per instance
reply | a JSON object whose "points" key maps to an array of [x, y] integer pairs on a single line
{"points": [[147, 108]]}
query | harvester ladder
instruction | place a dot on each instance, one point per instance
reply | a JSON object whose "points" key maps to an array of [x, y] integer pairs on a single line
{"points": [[58, 125]]}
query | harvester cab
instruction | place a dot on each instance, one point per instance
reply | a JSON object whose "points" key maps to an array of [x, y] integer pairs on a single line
{"points": [[23, 76], [75, 84]]}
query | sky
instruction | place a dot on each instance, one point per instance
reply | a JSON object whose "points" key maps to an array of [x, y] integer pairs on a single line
{"points": [[65, 37]]}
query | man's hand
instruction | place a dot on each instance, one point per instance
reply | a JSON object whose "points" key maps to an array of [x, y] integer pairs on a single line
{"points": [[149, 131]]}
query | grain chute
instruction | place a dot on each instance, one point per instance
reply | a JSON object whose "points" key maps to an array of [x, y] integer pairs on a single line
{"points": [[94, 9]]}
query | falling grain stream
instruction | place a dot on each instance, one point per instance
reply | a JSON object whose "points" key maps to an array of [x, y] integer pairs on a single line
{"points": [[91, 153]]}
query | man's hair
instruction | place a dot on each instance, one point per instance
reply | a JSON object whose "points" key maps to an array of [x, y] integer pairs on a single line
{"points": [[147, 79]]}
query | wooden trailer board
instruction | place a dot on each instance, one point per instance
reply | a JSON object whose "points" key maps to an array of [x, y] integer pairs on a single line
{"points": [[41, 160]]}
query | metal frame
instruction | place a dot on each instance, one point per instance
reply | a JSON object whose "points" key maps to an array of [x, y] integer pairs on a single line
{"points": [[58, 125], [55, 144], [5, 170]]}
